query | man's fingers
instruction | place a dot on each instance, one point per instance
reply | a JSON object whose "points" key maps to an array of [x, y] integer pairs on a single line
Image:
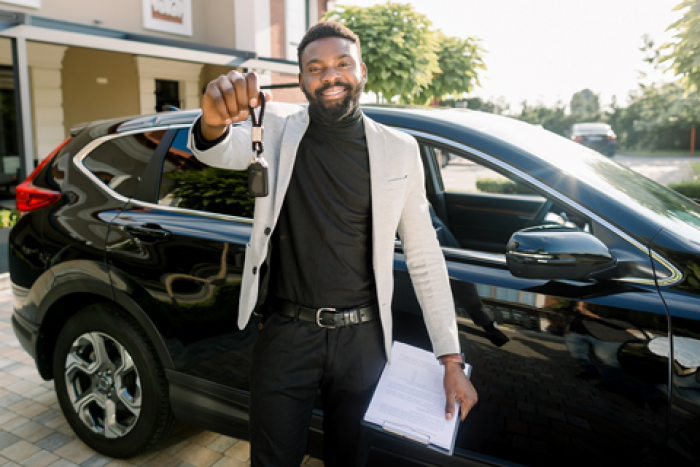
{"points": [[252, 89], [450, 405], [214, 105]]}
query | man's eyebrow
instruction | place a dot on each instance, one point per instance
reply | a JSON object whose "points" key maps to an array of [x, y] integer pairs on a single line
{"points": [[318, 60]]}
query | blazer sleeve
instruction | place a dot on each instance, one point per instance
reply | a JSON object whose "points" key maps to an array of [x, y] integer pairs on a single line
{"points": [[426, 263], [233, 152]]}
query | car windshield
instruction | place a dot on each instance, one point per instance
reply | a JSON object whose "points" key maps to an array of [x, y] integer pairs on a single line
{"points": [[663, 205]]}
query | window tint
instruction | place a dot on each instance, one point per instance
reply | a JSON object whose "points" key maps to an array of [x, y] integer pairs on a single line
{"points": [[481, 207], [120, 162], [188, 183], [461, 175]]}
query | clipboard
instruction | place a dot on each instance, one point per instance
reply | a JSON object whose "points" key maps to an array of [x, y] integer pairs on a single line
{"points": [[409, 401]]}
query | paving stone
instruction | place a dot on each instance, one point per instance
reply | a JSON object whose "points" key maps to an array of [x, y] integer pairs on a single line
{"points": [[222, 443], [54, 441], [10, 399], [40, 459], [63, 463], [98, 460], [19, 451], [32, 432], [47, 416], [198, 456], [163, 460], [240, 451], [7, 439], [231, 462], [75, 451]]}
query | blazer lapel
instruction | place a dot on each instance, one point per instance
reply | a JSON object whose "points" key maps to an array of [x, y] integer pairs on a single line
{"points": [[293, 132], [377, 172]]}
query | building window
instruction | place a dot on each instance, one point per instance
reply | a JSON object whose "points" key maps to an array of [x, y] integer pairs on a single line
{"points": [[296, 24], [167, 93]]}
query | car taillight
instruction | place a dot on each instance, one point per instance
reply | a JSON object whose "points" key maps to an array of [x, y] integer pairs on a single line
{"points": [[579, 139], [610, 138], [31, 197]]}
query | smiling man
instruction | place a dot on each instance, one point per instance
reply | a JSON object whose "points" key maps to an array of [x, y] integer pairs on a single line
{"points": [[320, 260]]}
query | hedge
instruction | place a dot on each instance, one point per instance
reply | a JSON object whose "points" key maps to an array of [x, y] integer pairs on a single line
{"points": [[502, 186], [691, 189]]}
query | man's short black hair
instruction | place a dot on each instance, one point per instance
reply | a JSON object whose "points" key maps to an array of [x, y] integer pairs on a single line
{"points": [[327, 29]]}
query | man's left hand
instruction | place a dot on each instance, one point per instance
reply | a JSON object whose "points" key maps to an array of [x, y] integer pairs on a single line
{"points": [[458, 388]]}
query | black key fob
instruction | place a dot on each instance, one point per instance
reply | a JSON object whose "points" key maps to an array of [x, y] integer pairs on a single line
{"points": [[257, 178]]}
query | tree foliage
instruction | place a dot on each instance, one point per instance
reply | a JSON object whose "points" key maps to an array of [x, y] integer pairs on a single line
{"points": [[684, 53], [398, 47], [460, 61], [405, 57]]}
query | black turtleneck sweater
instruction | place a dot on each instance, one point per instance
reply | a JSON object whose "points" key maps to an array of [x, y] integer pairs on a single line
{"points": [[322, 245]]}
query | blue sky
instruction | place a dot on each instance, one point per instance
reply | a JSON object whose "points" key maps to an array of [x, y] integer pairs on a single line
{"points": [[545, 50]]}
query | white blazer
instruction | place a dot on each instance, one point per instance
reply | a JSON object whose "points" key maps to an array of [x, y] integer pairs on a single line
{"points": [[398, 205]]}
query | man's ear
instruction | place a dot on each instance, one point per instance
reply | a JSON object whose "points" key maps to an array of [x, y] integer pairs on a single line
{"points": [[363, 67], [301, 86]]}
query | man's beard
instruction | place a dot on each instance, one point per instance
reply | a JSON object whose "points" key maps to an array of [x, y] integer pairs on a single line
{"points": [[336, 111]]}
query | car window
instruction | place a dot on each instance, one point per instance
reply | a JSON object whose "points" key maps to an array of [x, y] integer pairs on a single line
{"points": [[188, 183], [119, 162], [481, 207]]}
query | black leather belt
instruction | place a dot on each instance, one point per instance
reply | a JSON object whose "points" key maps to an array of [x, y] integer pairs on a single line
{"points": [[326, 317]]}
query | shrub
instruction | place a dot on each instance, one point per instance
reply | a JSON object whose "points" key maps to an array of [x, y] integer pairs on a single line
{"points": [[8, 218], [214, 190], [691, 188], [502, 186]]}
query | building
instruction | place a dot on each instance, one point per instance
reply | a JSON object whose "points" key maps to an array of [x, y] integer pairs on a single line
{"points": [[63, 62]]}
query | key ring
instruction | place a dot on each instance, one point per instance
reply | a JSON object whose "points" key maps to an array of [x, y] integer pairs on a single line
{"points": [[257, 125]]}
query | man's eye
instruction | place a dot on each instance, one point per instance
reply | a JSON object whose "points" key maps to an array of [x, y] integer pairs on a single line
{"points": [[345, 64], [314, 70]]}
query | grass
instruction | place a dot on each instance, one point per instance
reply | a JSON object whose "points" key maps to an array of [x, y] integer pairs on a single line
{"points": [[659, 153]]}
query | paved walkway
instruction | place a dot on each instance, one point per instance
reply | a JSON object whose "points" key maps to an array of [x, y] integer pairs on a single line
{"points": [[33, 431]]}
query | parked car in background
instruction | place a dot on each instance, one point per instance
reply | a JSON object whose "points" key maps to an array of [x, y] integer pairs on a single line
{"points": [[126, 270], [598, 136]]}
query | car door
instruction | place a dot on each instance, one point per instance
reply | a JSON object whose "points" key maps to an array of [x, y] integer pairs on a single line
{"points": [[178, 248], [563, 368]]}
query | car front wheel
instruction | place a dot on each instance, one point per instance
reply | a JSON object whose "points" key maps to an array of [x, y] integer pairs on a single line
{"points": [[110, 384]]}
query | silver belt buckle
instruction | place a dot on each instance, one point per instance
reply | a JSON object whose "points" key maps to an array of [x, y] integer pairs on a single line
{"points": [[318, 317]]}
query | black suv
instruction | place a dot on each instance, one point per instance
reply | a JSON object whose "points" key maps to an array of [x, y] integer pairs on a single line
{"points": [[576, 282]]}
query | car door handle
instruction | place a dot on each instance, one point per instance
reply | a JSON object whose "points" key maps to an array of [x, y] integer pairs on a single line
{"points": [[148, 232]]}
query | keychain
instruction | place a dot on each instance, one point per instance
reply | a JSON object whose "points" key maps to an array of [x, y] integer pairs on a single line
{"points": [[258, 185]]}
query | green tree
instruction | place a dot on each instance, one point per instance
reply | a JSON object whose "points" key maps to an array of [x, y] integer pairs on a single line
{"points": [[398, 47], [585, 106], [684, 52], [460, 61]]}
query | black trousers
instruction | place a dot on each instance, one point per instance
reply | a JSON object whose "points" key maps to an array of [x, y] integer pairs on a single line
{"points": [[292, 361]]}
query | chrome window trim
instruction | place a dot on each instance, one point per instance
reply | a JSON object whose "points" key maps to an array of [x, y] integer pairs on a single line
{"points": [[92, 145], [676, 275]]}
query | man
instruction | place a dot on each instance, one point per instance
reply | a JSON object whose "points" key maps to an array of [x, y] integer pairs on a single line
{"points": [[341, 186]]}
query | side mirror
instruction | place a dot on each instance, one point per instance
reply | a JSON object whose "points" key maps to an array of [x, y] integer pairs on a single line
{"points": [[553, 252]]}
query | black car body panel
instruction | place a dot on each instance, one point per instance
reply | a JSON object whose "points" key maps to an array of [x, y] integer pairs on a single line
{"points": [[580, 375]]}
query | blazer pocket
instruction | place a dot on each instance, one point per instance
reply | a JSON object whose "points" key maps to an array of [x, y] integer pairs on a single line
{"points": [[402, 178]]}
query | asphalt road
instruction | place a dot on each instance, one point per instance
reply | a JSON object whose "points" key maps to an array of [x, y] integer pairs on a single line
{"points": [[664, 170]]}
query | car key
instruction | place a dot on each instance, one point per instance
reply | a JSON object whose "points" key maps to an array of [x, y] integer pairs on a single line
{"points": [[258, 185]]}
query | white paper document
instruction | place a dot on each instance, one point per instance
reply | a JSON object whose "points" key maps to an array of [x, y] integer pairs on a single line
{"points": [[410, 399]]}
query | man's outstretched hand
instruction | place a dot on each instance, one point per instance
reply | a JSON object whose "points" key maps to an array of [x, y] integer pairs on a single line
{"points": [[227, 100], [458, 388]]}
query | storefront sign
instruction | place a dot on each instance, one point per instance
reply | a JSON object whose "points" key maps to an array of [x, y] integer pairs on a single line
{"points": [[29, 3], [173, 16]]}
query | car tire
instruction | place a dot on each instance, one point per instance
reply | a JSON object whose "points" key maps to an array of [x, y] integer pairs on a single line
{"points": [[110, 384]]}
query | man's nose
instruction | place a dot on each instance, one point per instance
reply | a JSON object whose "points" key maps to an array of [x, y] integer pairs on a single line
{"points": [[331, 75]]}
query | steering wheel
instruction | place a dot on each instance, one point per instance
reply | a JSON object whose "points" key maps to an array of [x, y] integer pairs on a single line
{"points": [[541, 213]]}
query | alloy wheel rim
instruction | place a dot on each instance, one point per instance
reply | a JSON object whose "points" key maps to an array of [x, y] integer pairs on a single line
{"points": [[103, 384]]}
